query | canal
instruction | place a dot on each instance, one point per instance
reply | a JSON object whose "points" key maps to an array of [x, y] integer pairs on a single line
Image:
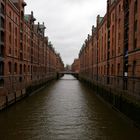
{"points": [[65, 110]]}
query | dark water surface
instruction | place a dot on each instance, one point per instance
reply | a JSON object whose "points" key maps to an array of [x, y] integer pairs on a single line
{"points": [[65, 110]]}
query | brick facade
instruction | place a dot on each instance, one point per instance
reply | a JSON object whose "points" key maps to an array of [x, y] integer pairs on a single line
{"points": [[76, 66], [110, 56], [26, 57]]}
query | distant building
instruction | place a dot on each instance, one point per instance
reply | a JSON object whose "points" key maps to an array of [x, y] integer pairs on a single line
{"points": [[68, 67], [76, 66]]}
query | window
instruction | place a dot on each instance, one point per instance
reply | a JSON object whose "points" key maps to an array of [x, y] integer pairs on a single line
{"points": [[119, 8], [108, 55], [1, 68], [104, 69], [21, 56], [1, 51], [136, 6], [16, 52], [21, 36], [10, 27], [16, 31], [24, 68], [112, 30], [2, 8], [2, 36], [112, 69], [10, 50], [28, 68], [109, 34], [135, 26], [119, 49], [9, 67], [15, 68], [113, 17], [2, 22], [10, 14], [1, 82], [20, 69], [118, 69], [134, 68], [108, 73], [101, 70], [119, 23], [22, 14], [10, 39], [16, 20], [135, 43], [16, 43], [119, 36], [21, 27]]}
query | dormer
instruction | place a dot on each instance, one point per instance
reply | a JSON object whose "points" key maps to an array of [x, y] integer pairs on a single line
{"points": [[32, 17], [93, 29], [99, 20]]}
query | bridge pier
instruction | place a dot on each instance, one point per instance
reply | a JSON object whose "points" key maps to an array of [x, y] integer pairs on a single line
{"points": [[76, 75], [59, 75]]}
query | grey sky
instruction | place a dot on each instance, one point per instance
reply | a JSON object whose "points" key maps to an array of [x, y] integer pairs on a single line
{"points": [[67, 22]]}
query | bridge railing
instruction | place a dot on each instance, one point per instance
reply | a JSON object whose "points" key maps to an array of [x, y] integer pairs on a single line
{"points": [[68, 72]]}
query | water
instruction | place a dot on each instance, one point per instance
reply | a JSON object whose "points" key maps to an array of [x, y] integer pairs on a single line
{"points": [[65, 110]]}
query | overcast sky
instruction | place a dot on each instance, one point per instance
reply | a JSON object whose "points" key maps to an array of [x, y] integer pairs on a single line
{"points": [[67, 22]]}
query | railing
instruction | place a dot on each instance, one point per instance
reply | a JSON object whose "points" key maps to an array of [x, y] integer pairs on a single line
{"points": [[68, 72]]}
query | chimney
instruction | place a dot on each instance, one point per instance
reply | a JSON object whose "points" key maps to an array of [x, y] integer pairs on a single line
{"points": [[93, 29], [98, 20], [88, 37]]}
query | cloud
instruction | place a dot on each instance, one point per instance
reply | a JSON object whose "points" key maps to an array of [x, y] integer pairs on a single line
{"points": [[67, 22]]}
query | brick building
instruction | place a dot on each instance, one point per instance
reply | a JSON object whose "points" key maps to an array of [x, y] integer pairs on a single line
{"points": [[2, 41], [76, 66], [26, 58], [110, 56], [59, 63]]}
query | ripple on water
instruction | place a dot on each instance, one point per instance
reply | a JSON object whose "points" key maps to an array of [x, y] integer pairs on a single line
{"points": [[64, 110]]}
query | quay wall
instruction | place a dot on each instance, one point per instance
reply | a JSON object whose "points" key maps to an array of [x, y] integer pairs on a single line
{"points": [[118, 99], [11, 98]]}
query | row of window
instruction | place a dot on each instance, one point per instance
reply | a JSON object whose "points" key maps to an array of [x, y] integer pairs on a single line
{"points": [[22, 68], [13, 17], [111, 69], [11, 29]]}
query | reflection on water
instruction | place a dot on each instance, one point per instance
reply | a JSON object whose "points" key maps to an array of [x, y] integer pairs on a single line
{"points": [[65, 110]]}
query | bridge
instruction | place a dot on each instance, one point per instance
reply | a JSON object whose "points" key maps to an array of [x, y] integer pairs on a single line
{"points": [[60, 74]]}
